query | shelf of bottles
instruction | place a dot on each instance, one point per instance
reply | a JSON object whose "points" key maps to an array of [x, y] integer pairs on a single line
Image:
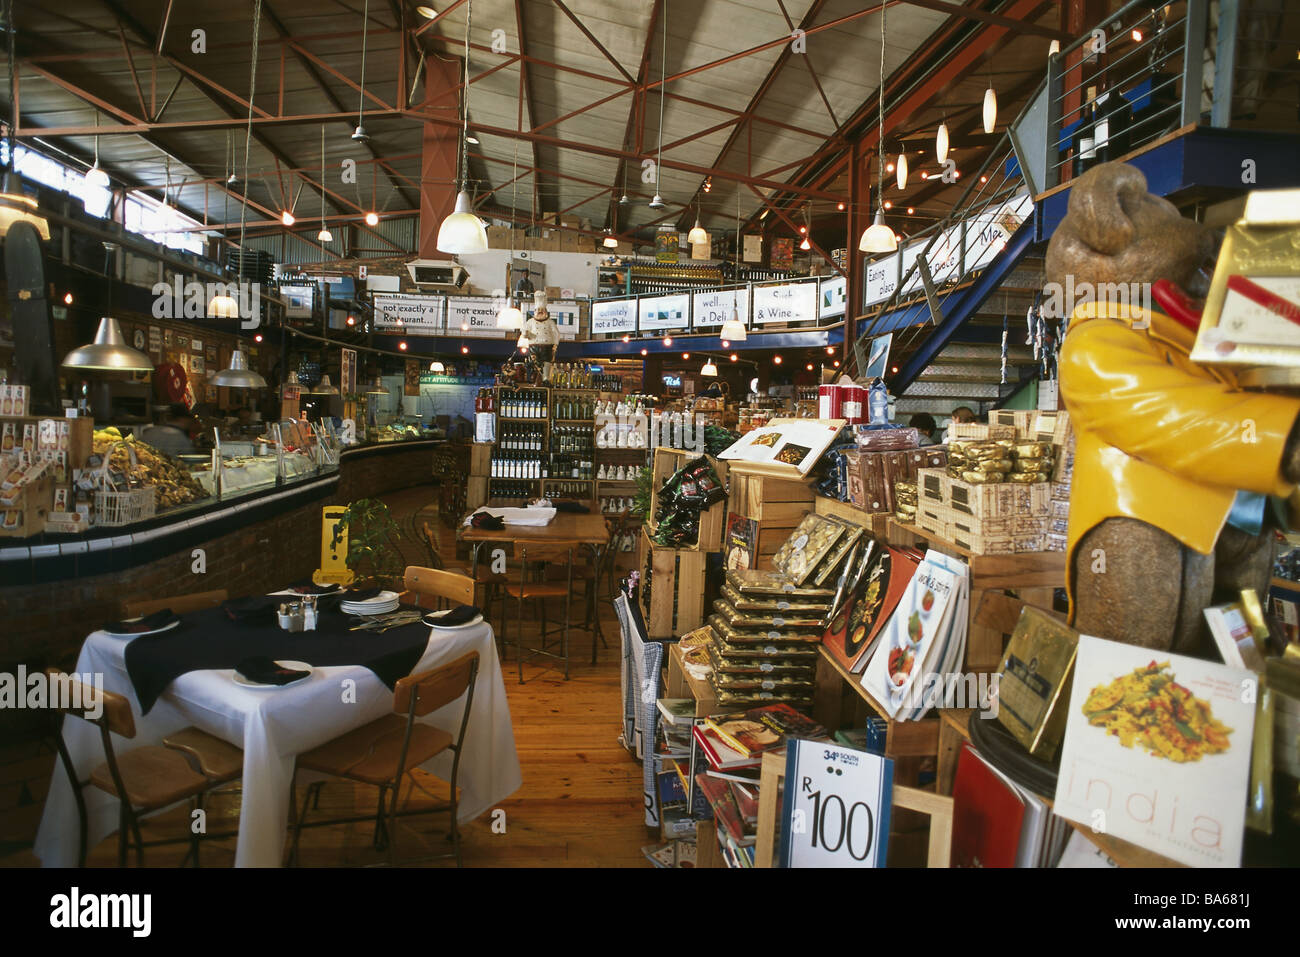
{"points": [[655, 278], [499, 489], [522, 404], [567, 489]]}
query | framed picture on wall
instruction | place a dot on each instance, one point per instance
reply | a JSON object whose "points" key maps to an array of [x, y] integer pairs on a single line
{"points": [[196, 345], [183, 343], [155, 339], [211, 353], [196, 365]]}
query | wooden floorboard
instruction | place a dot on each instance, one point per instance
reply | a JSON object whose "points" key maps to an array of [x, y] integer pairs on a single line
{"points": [[580, 804]]}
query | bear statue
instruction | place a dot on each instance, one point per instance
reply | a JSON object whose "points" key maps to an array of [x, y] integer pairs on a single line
{"points": [[1180, 476]]}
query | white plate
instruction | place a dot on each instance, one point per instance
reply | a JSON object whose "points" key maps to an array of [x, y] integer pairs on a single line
{"points": [[431, 620], [291, 665], [370, 611], [140, 634], [383, 598]]}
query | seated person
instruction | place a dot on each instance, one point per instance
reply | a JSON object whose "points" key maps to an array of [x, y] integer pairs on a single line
{"points": [[963, 413], [924, 423]]}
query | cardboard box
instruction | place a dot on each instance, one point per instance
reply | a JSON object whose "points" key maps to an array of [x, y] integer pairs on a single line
{"points": [[1021, 420], [932, 486], [979, 431], [1000, 500]]}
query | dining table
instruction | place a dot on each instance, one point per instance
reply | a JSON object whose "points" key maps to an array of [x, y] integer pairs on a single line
{"points": [[581, 529], [174, 685]]}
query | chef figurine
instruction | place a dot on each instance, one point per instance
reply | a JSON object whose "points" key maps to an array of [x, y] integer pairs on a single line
{"points": [[542, 334]]}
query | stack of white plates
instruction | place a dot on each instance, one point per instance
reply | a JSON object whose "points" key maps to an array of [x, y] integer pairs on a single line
{"points": [[381, 604]]}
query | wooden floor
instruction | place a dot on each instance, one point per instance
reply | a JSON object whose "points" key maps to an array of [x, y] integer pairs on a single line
{"points": [[579, 806]]}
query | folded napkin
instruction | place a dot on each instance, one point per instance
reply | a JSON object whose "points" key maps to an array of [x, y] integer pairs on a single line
{"points": [[311, 588], [254, 610], [360, 594], [457, 616], [158, 619], [489, 523], [572, 507], [264, 671]]}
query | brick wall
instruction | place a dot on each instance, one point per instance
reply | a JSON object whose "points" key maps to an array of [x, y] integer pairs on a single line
{"points": [[46, 624]]}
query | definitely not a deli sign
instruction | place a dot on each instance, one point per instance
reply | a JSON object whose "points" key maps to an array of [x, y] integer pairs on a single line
{"points": [[408, 315], [794, 302], [473, 316]]}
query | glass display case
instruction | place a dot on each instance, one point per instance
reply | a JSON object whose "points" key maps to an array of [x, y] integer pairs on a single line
{"points": [[291, 450]]}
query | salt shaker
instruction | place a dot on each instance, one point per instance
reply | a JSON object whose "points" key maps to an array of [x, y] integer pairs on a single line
{"points": [[309, 613]]}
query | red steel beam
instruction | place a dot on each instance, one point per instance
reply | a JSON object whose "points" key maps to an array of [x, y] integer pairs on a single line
{"points": [[592, 37]]}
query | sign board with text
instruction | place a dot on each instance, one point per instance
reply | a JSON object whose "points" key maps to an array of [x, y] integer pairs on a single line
{"points": [[789, 302], [664, 312], [473, 316], [613, 316], [836, 808], [711, 309], [408, 315]]}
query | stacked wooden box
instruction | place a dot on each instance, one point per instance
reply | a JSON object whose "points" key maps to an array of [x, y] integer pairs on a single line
{"points": [[768, 507], [480, 468], [1001, 518]]}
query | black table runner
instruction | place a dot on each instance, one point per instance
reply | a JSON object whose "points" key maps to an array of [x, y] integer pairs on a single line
{"points": [[208, 639]]}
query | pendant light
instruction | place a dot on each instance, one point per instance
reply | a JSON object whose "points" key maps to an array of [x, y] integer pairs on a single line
{"points": [[1054, 48], [941, 143], [609, 242], [437, 367], [990, 104], [109, 352], [324, 236], [96, 189], [733, 329], [878, 237], [360, 134], [709, 368], [325, 387], [223, 305], [807, 230], [901, 169], [462, 232], [510, 317], [239, 376], [697, 235], [658, 202]]}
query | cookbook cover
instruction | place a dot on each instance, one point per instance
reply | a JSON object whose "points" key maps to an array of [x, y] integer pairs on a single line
{"points": [[987, 815], [741, 542], [894, 675], [852, 633], [1157, 751], [787, 447]]}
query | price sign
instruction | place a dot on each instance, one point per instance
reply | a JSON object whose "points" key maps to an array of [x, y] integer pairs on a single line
{"points": [[836, 808]]}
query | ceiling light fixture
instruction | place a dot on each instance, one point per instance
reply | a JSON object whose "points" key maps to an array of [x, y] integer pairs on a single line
{"points": [[324, 236], [1054, 48], [109, 352], [238, 376], [67, 299], [609, 242], [709, 369], [990, 109], [359, 134], [402, 345], [697, 236], [286, 217], [462, 232], [325, 387], [96, 193], [427, 12], [941, 143], [901, 171], [878, 237], [437, 367], [776, 360], [658, 202]]}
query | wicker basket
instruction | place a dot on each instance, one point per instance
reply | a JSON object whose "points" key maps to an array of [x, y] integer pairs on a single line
{"points": [[114, 508]]}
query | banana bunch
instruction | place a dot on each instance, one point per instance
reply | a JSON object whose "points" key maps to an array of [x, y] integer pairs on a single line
{"points": [[173, 483]]}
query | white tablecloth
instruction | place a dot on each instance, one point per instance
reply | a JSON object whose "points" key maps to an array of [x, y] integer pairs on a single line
{"points": [[273, 727]]}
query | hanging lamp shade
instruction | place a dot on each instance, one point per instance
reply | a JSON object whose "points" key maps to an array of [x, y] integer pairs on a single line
{"points": [[658, 202], [239, 375], [16, 206], [609, 242], [900, 169], [733, 329], [878, 237], [990, 109], [510, 317], [437, 366], [1054, 48], [96, 178], [324, 236], [109, 352], [377, 387], [223, 306], [462, 232], [709, 368], [941, 143], [325, 387], [805, 245], [697, 235]]}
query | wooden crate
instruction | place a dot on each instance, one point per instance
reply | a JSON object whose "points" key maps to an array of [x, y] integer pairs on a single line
{"points": [[676, 602], [476, 493], [480, 458], [680, 684], [765, 498], [713, 521], [27, 516]]}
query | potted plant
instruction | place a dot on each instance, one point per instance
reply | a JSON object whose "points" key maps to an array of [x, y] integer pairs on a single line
{"points": [[373, 556]]}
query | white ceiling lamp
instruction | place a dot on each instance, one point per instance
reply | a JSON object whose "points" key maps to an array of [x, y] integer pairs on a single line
{"points": [[108, 353], [324, 236], [878, 237], [990, 109], [436, 366], [359, 134], [238, 376], [900, 169], [941, 143], [697, 236], [510, 316], [96, 191], [523, 342], [427, 12], [807, 230], [658, 201], [709, 368], [733, 330], [462, 232], [610, 241]]}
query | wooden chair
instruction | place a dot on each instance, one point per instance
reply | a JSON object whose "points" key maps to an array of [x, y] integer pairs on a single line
{"points": [[555, 560], [490, 581], [426, 585], [180, 604], [144, 779], [382, 752]]}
